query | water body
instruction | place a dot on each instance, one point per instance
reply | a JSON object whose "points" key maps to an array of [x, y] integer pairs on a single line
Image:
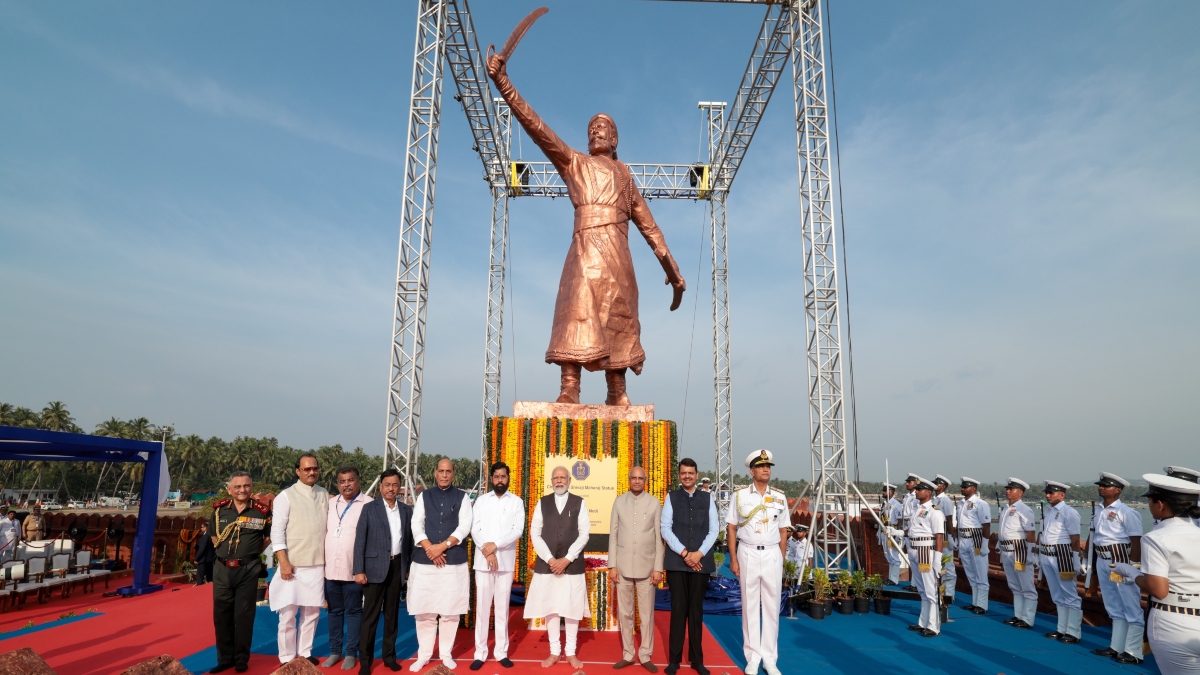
{"points": [[1085, 515]]}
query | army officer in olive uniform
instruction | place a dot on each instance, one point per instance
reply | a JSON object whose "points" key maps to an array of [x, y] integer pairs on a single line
{"points": [[241, 529]]}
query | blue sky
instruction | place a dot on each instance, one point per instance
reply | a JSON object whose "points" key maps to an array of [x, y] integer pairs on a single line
{"points": [[199, 215]]}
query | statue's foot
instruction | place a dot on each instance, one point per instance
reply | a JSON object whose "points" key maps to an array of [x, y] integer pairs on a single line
{"points": [[569, 387], [622, 399], [568, 397], [616, 387]]}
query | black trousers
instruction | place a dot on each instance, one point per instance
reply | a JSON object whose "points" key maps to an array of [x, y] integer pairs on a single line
{"points": [[233, 611], [687, 614], [204, 572], [385, 596]]}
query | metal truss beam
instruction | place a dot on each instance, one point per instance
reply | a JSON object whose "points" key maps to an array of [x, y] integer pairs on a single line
{"points": [[416, 236], [466, 63], [827, 438], [654, 181], [497, 269]]}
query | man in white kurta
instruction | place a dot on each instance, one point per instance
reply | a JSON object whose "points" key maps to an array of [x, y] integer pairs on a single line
{"points": [[8, 536], [558, 591], [298, 539], [497, 522], [438, 583]]}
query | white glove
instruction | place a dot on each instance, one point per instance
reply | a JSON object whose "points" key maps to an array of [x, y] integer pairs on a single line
{"points": [[1128, 571], [895, 532], [1075, 559], [1084, 568], [949, 546], [1035, 559], [935, 564]]}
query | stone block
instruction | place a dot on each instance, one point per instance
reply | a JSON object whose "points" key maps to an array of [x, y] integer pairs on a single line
{"points": [[298, 666], [159, 665], [23, 661], [576, 411]]}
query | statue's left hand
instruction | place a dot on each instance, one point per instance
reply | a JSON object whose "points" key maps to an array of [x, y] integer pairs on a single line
{"points": [[675, 279]]}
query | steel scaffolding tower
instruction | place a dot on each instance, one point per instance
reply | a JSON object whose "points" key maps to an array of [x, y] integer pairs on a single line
{"points": [[791, 28]]}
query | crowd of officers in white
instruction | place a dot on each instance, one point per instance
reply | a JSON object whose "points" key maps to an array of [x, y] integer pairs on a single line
{"points": [[353, 553], [928, 528]]}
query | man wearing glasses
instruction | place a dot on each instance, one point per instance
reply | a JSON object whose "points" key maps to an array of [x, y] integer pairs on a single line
{"points": [[298, 537], [344, 595]]}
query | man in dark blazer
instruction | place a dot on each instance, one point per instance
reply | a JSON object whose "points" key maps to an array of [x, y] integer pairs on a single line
{"points": [[383, 547], [206, 555]]}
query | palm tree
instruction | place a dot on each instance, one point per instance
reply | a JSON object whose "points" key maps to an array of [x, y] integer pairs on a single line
{"points": [[189, 456], [6, 413], [112, 427], [56, 417], [140, 429]]}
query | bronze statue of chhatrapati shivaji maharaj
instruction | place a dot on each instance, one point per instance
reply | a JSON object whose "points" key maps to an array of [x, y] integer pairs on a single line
{"points": [[596, 314]]}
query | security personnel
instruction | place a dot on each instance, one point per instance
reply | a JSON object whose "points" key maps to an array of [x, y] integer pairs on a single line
{"points": [[1059, 549], [1015, 539], [756, 529], [1118, 538], [927, 534], [945, 504], [974, 519], [892, 513], [1170, 573], [1190, 476], [240, 529]]}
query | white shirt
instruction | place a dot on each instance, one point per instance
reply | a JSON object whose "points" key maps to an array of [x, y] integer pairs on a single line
{"points": [[584, 526], [895, 512], [1059, 523], [1172, 550], [973, 513], [1015, 520], [799, 550], [761, 528], [8, 532], [393, 516], [499, 520], [945, 504], [926, 521], [464, 520], [1115, 524]]}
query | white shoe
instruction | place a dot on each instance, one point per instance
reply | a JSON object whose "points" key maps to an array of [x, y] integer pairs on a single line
{"points": [[417, 665], [752, 666], [449, 663], [771, 668]]}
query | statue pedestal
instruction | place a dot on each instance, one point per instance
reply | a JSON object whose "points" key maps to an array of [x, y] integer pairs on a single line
{"points": [[576, 411]]}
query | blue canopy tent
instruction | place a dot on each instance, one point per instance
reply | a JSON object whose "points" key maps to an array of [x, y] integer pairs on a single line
{"points": [[36, 445]]}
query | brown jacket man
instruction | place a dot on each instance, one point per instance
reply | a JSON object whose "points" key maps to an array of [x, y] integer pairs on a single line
{"points": [[635, 552]]}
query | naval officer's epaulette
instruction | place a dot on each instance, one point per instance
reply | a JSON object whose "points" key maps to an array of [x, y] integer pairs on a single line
{"points": [[778, 492], [222, 504]]}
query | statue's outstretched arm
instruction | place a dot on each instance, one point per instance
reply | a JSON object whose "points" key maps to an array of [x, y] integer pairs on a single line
{"points": [[644, 220], [558, 152]]}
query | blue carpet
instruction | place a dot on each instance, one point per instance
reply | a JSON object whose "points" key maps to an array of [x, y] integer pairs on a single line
{"points": [[872, 643], [49, 624], [266, 627]]}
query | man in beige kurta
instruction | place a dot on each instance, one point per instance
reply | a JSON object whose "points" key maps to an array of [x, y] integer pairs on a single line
{"points": [[596, 322], [635, 554]]}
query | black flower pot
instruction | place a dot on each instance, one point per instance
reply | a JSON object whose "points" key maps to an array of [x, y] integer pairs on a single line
{"points": [[816, 610], [828, 605], [883, 605], [260, 593], [862, 605], [845, 606]]}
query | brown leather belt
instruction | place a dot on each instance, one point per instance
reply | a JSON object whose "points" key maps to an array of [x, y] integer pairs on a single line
{"points": [[237, 562]]}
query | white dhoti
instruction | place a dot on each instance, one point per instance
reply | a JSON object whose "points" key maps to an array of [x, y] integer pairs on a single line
{"points": [[761, 579], [435, 592], [303, 594], [556, 597], [492, 588]]}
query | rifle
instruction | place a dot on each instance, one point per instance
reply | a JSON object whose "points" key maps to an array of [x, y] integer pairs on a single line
{"points": [[1087, 581], [1041, 573]]}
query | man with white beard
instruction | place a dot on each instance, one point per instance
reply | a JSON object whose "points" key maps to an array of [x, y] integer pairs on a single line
{"points": [[558, 591]]}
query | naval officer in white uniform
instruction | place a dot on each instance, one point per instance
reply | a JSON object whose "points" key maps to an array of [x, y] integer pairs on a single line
{"points": [[1015, 539], [927, 535], [1059, 549], [893, 513], [974, 520], [1190, 476], [945, 504], [1117, 538], [756, 526]]}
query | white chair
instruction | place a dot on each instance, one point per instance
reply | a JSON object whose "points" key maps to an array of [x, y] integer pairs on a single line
{"points": [[35, 580], [11, 573], [59, 565], [82, 570], [63, 546], [98, 574]]}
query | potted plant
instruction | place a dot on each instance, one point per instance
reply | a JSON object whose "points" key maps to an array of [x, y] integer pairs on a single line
{"points": [[845, 603], [883, 605], [817, 608], [858, 587], [790, 568], [718, 560]]}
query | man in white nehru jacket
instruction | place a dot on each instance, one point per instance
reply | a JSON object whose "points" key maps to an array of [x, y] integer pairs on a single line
{"points": [[298, 537], [558, 591], [1016, 539], [1059, 554], [974, 520]]}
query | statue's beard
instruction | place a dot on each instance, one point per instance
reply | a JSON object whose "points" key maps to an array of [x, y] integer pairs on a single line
{"points": [[560, 490], [600, 147]]}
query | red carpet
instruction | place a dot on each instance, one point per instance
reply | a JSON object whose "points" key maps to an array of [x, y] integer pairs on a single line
{"points": [[178, 621]]}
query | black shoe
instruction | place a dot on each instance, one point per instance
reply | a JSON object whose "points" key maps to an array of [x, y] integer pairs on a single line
{"points": [[1054, 635], [1068, 639], [476, 664], [313, 660], [925, 632], [1022, 625], [506, 663], [970, 608], [1126, 657], [392, 665], [241, 668], [978, 610], [671, 669], [1107, 651], [1011, 621], [914, 627], [910, 588], [700, 669], [220, 668]]}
